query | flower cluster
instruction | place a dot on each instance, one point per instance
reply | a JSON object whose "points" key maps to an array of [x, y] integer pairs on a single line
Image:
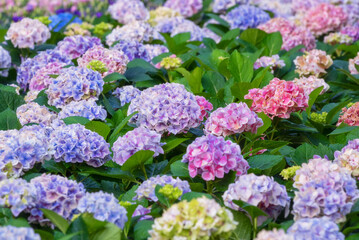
{"points": [[319, 117], [222, 5], [314, 62], [213, 157], [352, 31], [5, 62], [292, 35], [170, 63], [74, 84], [78, 29], [278, 99], [125, 11], [352, 65], [309, 84], [85, 108], [273, 235], [132, 49], [18, 233], [101, 28], [200, 218], [166, 108], [324, 18], [338, 38], [260, 191], [104, 207], [273, 62], [32, 112], [126, 94], [147, 188], [234, 118], [290, 172], [97, 66], [348, 157], [42, 78], [350, 115], [142, 212], [75, 46], [115, 61], [186, 8], [57, 194], [27, 33], [136, 140], [204, 105], [76, 144], [162, 13]]}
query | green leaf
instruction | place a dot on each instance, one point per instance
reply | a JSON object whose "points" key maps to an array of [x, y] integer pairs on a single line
{"points": [[115, 173], [114, 77], [193, 195], [243, 229], [341, 130], [54, 167], [141, 229], [9, 99], [79, 227], [56, 219], [212, 82], [253, 36], [312, 97], [303, 153], [76, 119], [336, 110], [101, 230], [8, 120], [179, 169], [101, 128], [161, 198], [137, 160], [222, 184], [240, 67], [45, 234], [264, 161], [272, 44], [69, 236], [120, 126], [173, 143], [267, 122], [18, 222], [253, 211]]}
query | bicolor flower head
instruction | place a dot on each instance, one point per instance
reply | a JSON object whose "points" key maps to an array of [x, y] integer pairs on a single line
{"points": [[43, 77], [314, 62], [74, 46], [348, 157], [309, 84], [349, 115], [32, 112]]}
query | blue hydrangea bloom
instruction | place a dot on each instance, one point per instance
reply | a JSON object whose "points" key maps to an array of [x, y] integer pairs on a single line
{"points": [[5, 62], [223, 5], [126, 94], [61, 20], [18, 233], [133, 49], [85, 108], [104, 207], [246, 16]]}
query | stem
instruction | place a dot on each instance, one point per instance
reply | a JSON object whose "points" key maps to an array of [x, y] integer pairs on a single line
{"points": [[255, 227], [276, 120], [209, 187], [144, 171]]}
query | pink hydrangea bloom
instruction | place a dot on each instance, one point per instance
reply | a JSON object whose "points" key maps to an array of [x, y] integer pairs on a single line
{"points": [[311, 83], [350, 115], [292, 35], [42, 78], [213, 157], [324, 18], [278, 99], [352, 63], [314, 62], [204, 105], [235, 118]]}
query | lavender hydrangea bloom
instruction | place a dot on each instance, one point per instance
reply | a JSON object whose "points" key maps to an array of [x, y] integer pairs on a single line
{"points": [[17, 194], [315, 229], [155, 50], [74, 46], [104, 207], [5, 62], [166, 108], [75, 144], [57, 194], [32, 112], [126, 94], [246, 16], [352, 31], [223, 5], [142, 211], [132, 49], [260, 191], [147, 188], [74, 84], [125, 11], [186, 8], [18, 233], [136, 140], [29, 67], [85, 108]]}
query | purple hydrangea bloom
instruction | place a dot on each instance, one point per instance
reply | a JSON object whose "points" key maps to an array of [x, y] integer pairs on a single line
{"points": [[29, 67], [155, 50], [17, 194], [315, 229], [142, 211], [85, 108], [76, 144], [352, 31], [246, 16], [126, 94], [260, 191], [74, 84], [147, 188], [136, 140], [5, 62], [32, 112], [57, 194], [104, 207], [18, 233], [186, 8], [125, 11], [213, 156], [132, 49], [223, 5], [74, 46], [166, 107]]}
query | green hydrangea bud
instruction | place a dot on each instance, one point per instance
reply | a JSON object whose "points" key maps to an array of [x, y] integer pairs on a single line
{"points": [[170, 62], [289, 173], [350, 104], [125, 204], [319, 117], [98, 66], [101, 28], [44, 19], [172, 193]]}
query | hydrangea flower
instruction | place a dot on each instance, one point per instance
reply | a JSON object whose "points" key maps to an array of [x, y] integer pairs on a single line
{"points": [[274, 234], [17, 194], [57, 194], [115, 61], [155, 50], [186, 8], [338, 38], [42, 78], [292, 35], [82, 29], [27, 33], [18, 233], [32, 112], [74, 84], [273, 62], [166, 108], [125, 11], [314, 62], [348, 157], [142, 211], [350, 115], [213, 157], [170, 63], [126, 94], [222, 5], [324, 18], [234, 118], [204, 105], [132, 49], [85, 108], [352, 31], [315, 228], [201, 218], [30, 66], [104, 207], [75, 46], [59, 21], [246, 16], [101, 28], [147, 188], [311, 83], [22, 149], [352, 65], [278, 99], [289, 173], [76, 144], [260, 191], [319, 117], [5, 62], [280, 8], [136, 140], [160, 14]]}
